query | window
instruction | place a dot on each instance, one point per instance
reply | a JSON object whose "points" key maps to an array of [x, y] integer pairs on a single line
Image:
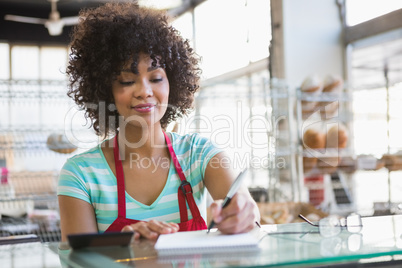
{"points": [[230, 36], [25, 62], [358, 11], [231, 33], [4, 61]]}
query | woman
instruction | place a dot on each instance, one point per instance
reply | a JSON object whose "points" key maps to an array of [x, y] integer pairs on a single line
{"points": [[132, 74]]}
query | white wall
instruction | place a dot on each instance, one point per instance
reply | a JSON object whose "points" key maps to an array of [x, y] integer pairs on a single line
{"points": [[312, 39]]}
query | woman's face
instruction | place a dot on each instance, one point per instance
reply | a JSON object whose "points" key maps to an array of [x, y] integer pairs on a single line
{"points": [[141, 98]]}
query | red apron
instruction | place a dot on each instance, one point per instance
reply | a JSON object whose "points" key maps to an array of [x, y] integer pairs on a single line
{"points": [[184, 193]]}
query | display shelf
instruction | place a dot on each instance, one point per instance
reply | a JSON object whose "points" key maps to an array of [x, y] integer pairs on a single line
{"points": [[32, 89], [47, 229], [28, 204], [285, 184], [33, 111], [325, 110], [33, 139]]}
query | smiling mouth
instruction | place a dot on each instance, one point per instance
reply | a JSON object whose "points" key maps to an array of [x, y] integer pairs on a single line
{"points": [[144, 107]]}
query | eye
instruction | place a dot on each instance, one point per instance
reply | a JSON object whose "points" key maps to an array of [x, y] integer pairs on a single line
{"points": [[126, 83], [156, 80]]}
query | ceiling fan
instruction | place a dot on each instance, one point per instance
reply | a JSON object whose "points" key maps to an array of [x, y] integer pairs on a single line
{"points": [[54, 23]]}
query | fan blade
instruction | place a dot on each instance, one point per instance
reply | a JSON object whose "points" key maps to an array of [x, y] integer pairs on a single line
{"points": [[25, 19], [70, 20]]}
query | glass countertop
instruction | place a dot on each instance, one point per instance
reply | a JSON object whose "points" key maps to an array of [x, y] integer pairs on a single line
{"points": [[297, 244]]}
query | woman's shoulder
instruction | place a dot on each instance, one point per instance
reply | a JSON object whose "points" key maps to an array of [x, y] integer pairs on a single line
{"points": [[193, 142], [191, 138], [87, 156]]}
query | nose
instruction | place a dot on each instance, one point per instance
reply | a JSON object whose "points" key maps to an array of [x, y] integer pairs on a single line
{"points": [[143, 90]]}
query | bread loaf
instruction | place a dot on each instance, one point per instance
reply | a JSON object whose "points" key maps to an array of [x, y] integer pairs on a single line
{"points": [[311, 87], [392, 162], [337, 136], [333, 85], [312, 139]]}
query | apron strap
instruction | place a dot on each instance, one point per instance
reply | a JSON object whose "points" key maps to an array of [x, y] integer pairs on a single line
{"points": [[185, 190], [121, 192]]}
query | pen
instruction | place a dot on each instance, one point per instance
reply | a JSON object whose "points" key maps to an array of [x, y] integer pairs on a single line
{"points": [[232, 191]]}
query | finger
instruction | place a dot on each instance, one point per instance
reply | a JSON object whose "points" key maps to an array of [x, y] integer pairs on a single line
{"points": [[216, 209], [241, 221], [137, 235], [144, 231], [236, 205], [161, 227], [174, 226], [234, 225], [127, 228]]}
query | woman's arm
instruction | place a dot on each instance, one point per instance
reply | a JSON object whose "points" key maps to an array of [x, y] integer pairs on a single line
{"points": [[76, 216], [242, 212]]}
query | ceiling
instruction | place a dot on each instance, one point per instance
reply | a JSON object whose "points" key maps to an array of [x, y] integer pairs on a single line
{"points": [[17, 32]]}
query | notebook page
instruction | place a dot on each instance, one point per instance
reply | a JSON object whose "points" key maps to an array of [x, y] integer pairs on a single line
{"points": [[203, 242]]}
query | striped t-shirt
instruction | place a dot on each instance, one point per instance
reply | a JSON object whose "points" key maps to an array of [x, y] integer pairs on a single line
{"points": [[87, 176]]}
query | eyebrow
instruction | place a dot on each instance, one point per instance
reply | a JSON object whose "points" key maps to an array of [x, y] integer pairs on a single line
{"points": [[151, 68]]}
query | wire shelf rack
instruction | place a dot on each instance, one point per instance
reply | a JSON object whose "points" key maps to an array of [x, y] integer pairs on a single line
{"points": [[28, 205]]}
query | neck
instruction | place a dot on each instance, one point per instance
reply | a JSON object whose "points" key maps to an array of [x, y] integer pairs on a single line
{"points": [[141, 142]]}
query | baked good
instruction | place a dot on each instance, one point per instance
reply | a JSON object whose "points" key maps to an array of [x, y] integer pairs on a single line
{"points": [[312, 139], [60, 144], [309, 163], [333, 83], [337, 136], [348, 165], [328, 110], [333, 86], [311, 87], [392, 162], [328, 165], [275, 213]]}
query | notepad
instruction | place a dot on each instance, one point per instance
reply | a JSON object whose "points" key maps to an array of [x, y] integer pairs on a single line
{"points": [[200, 242]]}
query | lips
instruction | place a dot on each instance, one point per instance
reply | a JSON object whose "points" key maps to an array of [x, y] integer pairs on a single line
{"points": [[144, 108]]}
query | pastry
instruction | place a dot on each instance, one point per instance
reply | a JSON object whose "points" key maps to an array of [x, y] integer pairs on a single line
{"points": [[337, 136], [311, 87], [328, 110], [333, 86], [333, 83], [348, 165], [392, 162], [328, 165], [312, 139]]}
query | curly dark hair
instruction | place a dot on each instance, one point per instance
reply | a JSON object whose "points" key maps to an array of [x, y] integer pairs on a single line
{"points": [[111, 35]]}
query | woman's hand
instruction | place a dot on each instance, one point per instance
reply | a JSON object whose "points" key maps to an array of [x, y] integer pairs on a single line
{"points": [[239, 216], [151, 229]]}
